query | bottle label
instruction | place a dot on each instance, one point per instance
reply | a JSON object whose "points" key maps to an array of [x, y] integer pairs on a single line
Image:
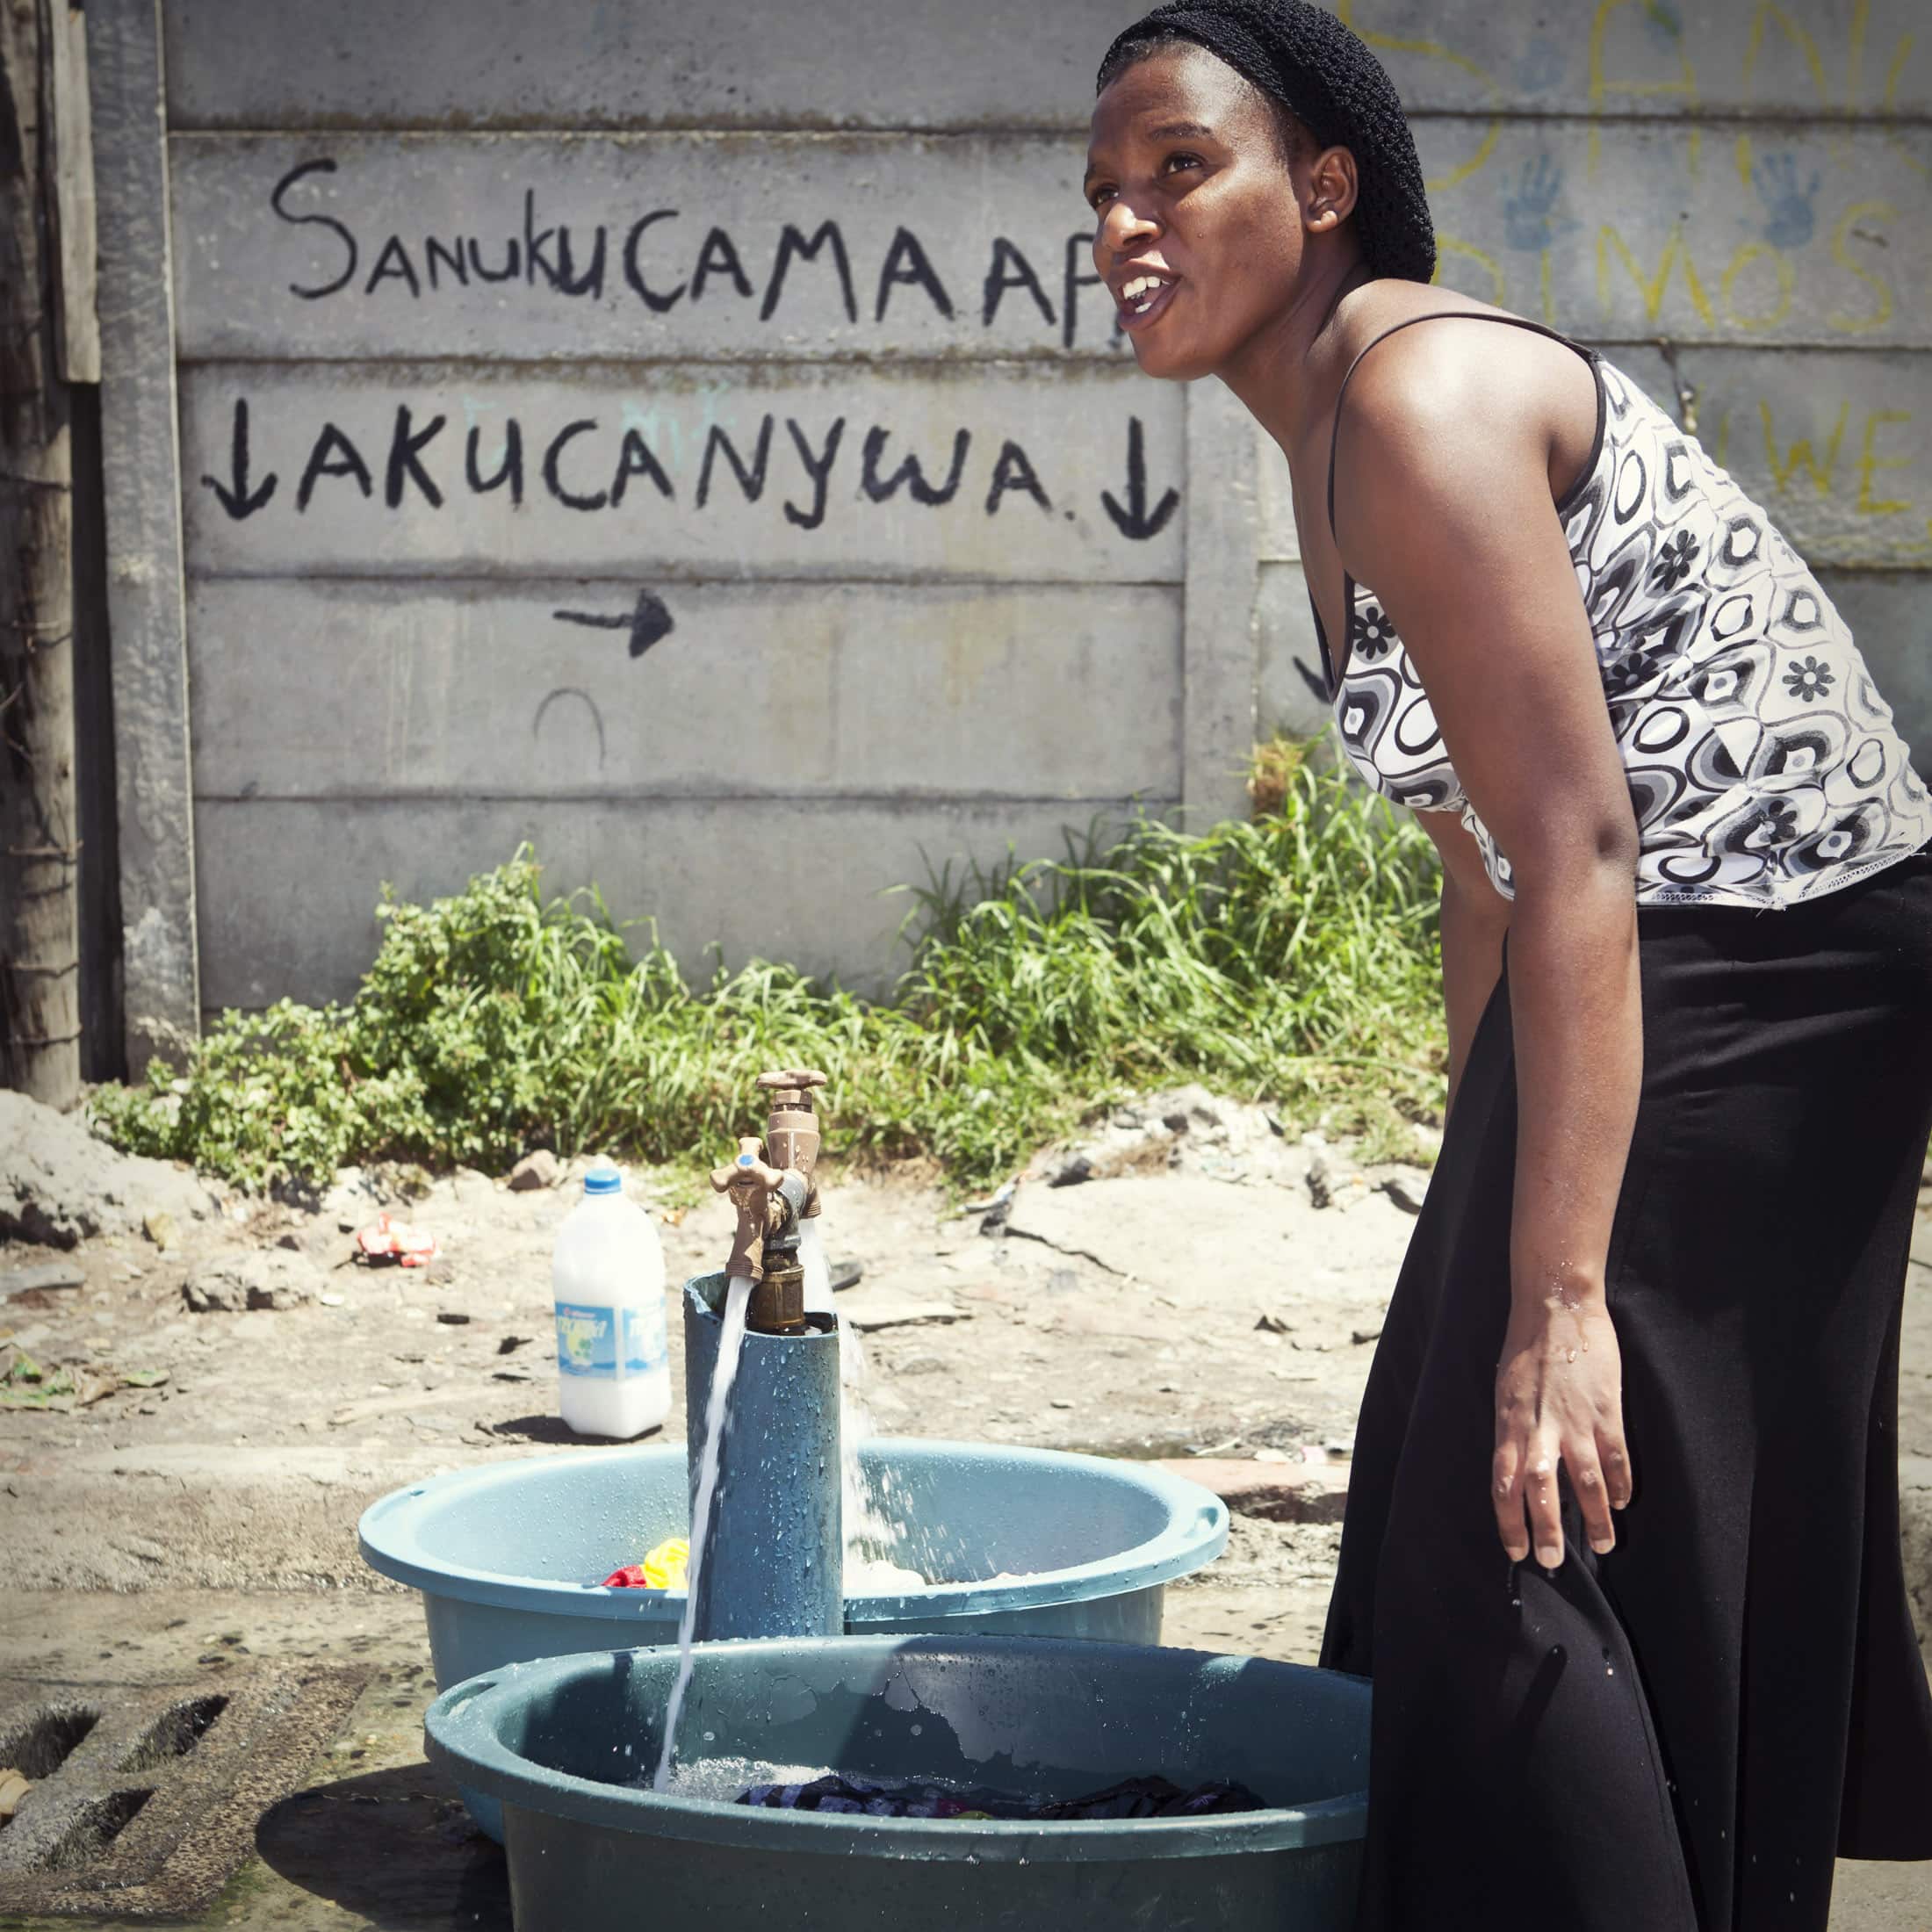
{"points": [[644, 1346], [589, 1336]]}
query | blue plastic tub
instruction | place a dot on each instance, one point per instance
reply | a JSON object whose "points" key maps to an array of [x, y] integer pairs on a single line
{"points": [[566, 1747], [507, 1556]]}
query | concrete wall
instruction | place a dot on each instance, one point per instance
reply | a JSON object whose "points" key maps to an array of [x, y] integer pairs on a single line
{"points": [[696, 441], [1733, 198]]}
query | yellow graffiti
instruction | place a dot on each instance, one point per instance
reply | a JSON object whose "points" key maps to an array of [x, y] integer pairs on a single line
{"points": [[1434, 50], [1651, 286], [1448, 244], [1601, 87], [1889, 105], [1753, 251], [1769, 12], [1870, 464], [1859, 325], [1820, 474]]}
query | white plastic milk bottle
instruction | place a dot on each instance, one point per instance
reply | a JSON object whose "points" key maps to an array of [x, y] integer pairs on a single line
{"points": [[607, 1274]]}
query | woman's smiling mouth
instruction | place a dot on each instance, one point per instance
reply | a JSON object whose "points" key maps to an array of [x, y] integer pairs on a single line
{"points": [[1141, 297]]}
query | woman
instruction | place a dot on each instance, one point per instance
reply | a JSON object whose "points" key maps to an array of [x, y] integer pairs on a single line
{"points": [[1622, 1545]]}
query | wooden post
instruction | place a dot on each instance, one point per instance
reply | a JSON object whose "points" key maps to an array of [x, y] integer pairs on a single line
{"points": [[39, 924]]}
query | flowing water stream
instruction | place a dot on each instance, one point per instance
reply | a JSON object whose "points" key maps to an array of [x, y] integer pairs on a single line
{"points": [[737, 1297], [872, 1537]]}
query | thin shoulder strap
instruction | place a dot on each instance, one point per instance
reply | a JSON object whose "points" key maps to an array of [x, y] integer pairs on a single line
{"points": [[1434, 315]]}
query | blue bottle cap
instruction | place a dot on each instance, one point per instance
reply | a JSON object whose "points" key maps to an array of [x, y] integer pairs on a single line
{"points": [[603, 1180]]}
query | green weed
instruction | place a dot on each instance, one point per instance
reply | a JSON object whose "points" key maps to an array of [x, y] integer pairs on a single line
{"points": [[1292, 959]]}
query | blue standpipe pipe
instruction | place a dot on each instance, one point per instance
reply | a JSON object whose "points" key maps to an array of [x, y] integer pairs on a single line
{"points": [[774, 1563]]}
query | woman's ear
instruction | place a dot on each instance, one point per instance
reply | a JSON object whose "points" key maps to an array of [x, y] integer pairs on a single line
{"points": [[1330, 198]]}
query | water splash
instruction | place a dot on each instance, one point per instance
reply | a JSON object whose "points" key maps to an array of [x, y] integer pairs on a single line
{"points": [[876, 1530], [818, 1271], [737, 1297]]}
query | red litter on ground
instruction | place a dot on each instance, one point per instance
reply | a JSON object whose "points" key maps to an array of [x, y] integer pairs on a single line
{"points": [[386, 1240]]}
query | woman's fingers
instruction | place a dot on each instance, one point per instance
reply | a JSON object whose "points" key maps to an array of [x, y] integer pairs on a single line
{"points": [[1614, 1455], [1541, 1499], [1506, 1493], [1586, 1475]]}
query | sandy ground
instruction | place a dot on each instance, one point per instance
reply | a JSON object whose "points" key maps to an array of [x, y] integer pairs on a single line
{"points": [[212, 1515]]}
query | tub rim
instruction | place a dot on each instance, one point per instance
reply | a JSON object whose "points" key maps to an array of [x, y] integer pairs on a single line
{"points": [[1196, 1533], [484, 1762]]}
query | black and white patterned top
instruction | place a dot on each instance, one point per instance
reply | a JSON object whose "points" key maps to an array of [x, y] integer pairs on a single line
{"points": [[1762, 761]]}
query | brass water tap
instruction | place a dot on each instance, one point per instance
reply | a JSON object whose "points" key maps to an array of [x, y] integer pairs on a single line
{"points": [[768, 1201], [792, 1135]]}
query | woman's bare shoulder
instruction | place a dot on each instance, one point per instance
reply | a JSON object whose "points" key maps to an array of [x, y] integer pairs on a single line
{"points": [[1420, 398]]}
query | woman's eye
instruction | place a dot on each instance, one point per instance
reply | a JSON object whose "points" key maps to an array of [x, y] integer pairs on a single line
{"points": [[1098, 197], [1184, 161]]}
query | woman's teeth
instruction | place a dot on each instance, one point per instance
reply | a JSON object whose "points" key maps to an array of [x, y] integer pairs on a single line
{"points": [[1147, 286]]}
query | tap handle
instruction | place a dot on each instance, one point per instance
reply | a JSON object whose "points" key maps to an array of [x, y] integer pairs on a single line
{"points": [[769, 1201], [749, 1182], [801, 1079], [748, 1170]]}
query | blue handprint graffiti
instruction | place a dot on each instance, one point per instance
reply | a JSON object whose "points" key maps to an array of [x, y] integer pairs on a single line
{"points": [[1662, 25], [1530, 222], [1542, 64], [1790, 221]]}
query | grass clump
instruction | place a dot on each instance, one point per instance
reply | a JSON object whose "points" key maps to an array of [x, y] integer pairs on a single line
{"points": [[1294, 958]]}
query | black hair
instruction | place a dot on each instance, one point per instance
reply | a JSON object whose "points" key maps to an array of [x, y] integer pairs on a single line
{"points": [[1291, 133], [1315, 75]]}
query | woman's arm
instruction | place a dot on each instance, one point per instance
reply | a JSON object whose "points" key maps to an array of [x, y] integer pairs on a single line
{"points": [[1475, 918], [1443, 502]]}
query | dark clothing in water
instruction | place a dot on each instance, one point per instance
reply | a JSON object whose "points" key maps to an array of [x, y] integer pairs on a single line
{"points": [[1680, 1736], [1133, 1798]]}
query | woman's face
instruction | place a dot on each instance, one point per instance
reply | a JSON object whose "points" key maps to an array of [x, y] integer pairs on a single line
{"points": [[1199, 234]]}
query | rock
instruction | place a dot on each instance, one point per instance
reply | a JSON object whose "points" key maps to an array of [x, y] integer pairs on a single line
{"points": [[269, 1278], [49, 1274], [399, 1181], [1406, 1188], [1195, 1105], [453, 1318], [159, 1226], [59, 1186], [1915, 1538], [1278, 1492], [1073, 1173], [536, 1170], [1321, 1189], [884, 1314], [1350, 1191]]}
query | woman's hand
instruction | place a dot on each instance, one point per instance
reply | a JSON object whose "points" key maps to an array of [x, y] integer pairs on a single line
{"points": [[1559, 1403]]}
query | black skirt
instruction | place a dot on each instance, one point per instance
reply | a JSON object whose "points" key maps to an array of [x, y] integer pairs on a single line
{"points": [[1682, 1736]]}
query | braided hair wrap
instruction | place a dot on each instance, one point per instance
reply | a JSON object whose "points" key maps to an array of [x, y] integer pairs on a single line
{"points": [[1303, 58]]}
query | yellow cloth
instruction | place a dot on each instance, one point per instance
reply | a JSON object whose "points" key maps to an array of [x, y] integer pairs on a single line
{"points": [[665, 1568]]}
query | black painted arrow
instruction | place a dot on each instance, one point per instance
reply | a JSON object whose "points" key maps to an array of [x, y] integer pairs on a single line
{"points": [[648, 622], [1135, 522], [238, 502]]}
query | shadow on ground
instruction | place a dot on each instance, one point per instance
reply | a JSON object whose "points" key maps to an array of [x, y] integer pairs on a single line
{"points": [[394, 1847], [551, 1432]]}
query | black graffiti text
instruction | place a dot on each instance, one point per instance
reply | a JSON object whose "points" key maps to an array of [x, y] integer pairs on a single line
{"points": [[667, 258], [590, 465]]}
